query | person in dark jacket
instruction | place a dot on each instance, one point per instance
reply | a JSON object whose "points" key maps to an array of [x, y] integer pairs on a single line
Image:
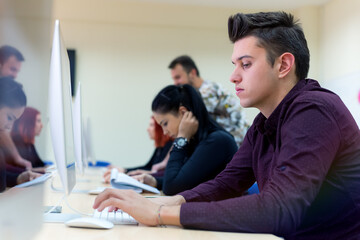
{"points": [[202, 148]]}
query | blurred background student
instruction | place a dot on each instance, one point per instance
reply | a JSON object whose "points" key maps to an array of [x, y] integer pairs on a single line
{"points": [[201, 147], [23, 134], [10, 65], [158, 160], [12, 105]]}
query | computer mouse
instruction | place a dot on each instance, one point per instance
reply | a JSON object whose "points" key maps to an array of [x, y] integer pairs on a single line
{"points": [[89, 222]]}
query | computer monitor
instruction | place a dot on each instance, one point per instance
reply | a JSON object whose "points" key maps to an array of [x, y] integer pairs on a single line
{"points": [[60, 112], [79, 142], [88, 151]]}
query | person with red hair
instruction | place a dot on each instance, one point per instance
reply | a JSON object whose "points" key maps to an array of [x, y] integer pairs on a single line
{"points": [[12, 104], [158, 160], [23, 134]]}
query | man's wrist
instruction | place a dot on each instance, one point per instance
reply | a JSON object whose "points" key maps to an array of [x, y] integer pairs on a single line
{"points": [[177, 200], [170, 215]]}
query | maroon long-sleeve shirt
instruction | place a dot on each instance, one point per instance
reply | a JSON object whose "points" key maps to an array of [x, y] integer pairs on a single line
{"points": [[306, 160]]}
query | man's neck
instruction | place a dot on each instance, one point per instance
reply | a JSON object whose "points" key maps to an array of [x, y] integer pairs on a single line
{"points": [[198, 81], [278, 97]]}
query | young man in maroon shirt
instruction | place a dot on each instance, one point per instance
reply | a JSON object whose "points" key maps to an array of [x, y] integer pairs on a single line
{"points": [[303, 149]]}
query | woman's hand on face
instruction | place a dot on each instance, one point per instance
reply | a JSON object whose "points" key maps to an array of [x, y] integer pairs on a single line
{"points": [[188, 126], [140, 208], [146, 179]]}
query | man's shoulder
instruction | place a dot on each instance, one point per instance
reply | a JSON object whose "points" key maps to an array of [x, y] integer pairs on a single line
{"points": [[211, 85], [320, 96]]}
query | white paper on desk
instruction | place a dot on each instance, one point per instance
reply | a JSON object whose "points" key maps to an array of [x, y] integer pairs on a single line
{"points": [[123, 181]]}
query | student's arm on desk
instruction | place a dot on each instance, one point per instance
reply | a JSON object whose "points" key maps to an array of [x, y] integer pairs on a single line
{"points": [[144, 210], [8, 144]]}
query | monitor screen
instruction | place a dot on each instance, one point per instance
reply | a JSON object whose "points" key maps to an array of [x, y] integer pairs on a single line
{"points": [[88, 153], [78, 132], [60, 111]]}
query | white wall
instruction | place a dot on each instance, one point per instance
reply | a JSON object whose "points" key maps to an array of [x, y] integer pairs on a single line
{"points": [[123, 50], [340, 51]]}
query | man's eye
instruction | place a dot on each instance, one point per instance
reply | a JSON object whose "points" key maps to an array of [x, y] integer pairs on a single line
{"points": [[246, 65]]}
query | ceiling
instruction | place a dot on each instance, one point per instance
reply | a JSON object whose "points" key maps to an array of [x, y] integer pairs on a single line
{"points": [[248, 4]]}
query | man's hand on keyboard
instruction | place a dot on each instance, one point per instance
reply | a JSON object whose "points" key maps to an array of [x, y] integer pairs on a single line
{"points": [[140, 208]]}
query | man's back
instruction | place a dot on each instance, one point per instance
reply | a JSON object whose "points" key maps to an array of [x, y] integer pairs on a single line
{"points": [[306, 159], [311, 127]]}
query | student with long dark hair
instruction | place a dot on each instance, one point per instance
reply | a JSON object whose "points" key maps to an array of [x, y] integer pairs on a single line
{"points": [[12, 105], [201, 147]]}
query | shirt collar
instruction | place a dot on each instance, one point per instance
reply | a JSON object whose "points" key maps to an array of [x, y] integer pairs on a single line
{"points": [[268, 126]]}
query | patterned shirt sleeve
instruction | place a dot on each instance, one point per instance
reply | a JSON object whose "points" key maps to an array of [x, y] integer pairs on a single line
{"points": [[225, 109]]}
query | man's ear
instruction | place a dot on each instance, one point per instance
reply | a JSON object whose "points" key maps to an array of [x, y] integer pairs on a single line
{"points": [[193, 72], [286, 63]]}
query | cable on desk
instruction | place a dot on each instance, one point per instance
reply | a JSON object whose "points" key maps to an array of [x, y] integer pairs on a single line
{"points": [[58, 204], [74, 210]]}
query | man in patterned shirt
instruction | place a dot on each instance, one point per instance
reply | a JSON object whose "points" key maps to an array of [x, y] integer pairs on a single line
{"points": [[221, 105], [10, 65]]}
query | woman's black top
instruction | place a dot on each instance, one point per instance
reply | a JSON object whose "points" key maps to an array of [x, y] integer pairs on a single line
{"points": [[158, 155]]}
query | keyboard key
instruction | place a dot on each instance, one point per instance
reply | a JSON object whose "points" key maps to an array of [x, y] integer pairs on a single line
{"points": [[116, 217]]}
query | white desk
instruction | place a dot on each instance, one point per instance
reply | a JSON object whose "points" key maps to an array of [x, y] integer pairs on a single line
{"points": [[83, 202]]}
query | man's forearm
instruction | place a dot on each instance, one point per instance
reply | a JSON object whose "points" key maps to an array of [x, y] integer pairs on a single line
{"points": [[169, 201]]}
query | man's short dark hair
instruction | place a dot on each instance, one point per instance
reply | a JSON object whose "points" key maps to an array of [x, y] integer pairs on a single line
{"points": [[277, 33], [7, 51], [186, 62]]}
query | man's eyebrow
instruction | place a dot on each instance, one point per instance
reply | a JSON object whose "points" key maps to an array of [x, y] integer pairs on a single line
{"points": [[242, 57], [245, 56]]}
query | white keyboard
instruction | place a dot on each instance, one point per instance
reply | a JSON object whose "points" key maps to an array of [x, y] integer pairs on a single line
{"points": [[116, 217]]}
